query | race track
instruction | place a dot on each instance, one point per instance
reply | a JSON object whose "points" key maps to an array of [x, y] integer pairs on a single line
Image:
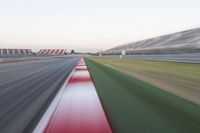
{"points": [[26, 90], [185, 57]]}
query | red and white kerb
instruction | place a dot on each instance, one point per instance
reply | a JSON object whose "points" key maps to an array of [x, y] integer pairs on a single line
{"points": [[79, 109]]}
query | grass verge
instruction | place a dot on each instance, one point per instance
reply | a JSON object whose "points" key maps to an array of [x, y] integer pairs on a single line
{"points": [[132, 105], [179, 78]]}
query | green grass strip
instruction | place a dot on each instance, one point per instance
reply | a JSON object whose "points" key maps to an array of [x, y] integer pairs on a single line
{"points": [[133, 106]]}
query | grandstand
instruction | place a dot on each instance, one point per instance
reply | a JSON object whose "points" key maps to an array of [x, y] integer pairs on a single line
{"points": [[15, 52], [182, 42], [47, 52]]}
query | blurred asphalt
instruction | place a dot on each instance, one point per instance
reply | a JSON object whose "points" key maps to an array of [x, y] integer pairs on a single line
{"points": [[26, 90], [186, 57]]}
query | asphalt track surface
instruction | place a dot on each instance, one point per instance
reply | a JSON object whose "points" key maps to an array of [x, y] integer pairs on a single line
{"points": [[26, 90], [186, 57]]}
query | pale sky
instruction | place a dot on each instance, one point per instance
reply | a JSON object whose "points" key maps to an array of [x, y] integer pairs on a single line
{"points": [[91, 24]]}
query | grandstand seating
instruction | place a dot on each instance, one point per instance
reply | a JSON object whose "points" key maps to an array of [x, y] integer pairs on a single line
{"points": [[47, 52], [15, 52], [27, 52], [181, 42]]}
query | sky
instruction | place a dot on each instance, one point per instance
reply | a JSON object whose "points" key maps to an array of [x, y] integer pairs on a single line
{"points": [[90, 25]]}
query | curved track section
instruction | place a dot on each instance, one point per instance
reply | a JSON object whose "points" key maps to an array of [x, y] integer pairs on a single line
{"points": [[27, 89]]}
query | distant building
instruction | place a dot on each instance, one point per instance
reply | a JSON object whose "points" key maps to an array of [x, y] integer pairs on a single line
{"points": [[72, 51]]}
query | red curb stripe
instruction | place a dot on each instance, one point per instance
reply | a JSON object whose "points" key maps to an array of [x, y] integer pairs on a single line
{"points": [[75, 80], [79, 69], [80, 65], [79, 110]]}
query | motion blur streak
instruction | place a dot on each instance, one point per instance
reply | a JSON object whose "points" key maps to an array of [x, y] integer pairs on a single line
{"points": [[135, 106], [26, 90], [79, 110]]}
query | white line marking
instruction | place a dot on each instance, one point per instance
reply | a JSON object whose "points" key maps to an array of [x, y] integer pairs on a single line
{"points": [[49, 112]]}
